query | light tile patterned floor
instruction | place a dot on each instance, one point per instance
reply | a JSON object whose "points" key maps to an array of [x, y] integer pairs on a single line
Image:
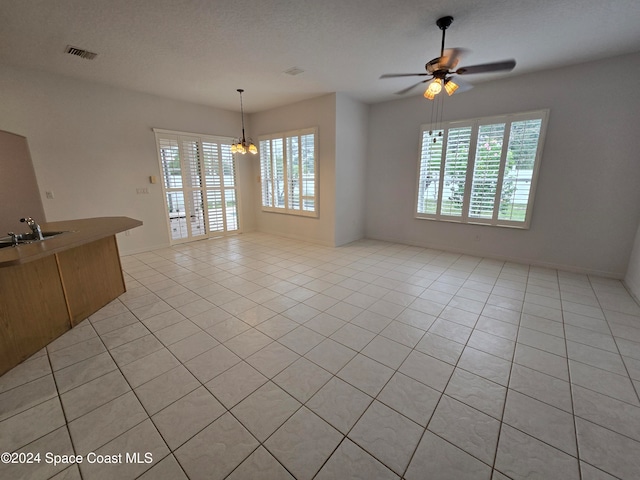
{"points": [[254, 356]]}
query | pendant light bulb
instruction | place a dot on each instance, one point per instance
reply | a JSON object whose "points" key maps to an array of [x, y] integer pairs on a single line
{"points": [[435, 86], [433, 89]]}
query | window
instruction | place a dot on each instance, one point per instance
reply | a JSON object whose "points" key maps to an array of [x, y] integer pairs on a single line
{"points": [[481, 171], [199, 184], [289, 172]]}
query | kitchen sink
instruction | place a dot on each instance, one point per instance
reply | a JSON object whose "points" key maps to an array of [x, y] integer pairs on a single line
{"points": [[24, 238]]}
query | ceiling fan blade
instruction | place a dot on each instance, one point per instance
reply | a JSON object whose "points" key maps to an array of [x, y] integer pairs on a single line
{"points": [[487, 67], [408, 89], [463, 85], [451, 57], [396, 75]]}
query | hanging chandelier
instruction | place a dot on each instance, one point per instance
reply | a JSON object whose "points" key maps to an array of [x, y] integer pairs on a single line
{"points": [[241, 146]]}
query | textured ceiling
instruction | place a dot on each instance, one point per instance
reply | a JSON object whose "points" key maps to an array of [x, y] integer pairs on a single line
{"points": [[202, 51]]}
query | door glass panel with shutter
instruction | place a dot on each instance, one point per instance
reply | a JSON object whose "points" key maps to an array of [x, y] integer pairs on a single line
{"points": [[199, 183]]}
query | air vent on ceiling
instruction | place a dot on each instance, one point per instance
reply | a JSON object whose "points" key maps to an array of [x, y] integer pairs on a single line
{"points": [[79, 52]]}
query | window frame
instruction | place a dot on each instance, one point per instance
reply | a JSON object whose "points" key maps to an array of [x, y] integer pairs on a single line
{"points": [[475, 125], [272, 173]]}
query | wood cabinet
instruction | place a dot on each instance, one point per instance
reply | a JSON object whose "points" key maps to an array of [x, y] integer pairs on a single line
{"points": [[48, 287], [33, 310], [91, 277]]}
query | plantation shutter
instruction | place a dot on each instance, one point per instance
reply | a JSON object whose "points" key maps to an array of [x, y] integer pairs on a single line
{"points": [[455, 170], [266, 173], [229, 187], [191, 158], [293, 172], [171, 168], [429, 175], [518, 176], [279, 180], [308, 171], [486, 169]]}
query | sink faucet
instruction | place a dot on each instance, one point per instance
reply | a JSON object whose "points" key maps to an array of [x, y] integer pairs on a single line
{"points": [[35, 228]]}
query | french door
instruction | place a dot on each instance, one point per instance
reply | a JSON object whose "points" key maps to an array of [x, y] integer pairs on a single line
{"points": [[199, 185]]}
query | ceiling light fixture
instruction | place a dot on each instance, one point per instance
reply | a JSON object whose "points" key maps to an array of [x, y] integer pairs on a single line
{"points": [[241, 146]]}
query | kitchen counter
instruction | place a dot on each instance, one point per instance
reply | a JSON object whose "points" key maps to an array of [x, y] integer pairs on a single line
{"points": [[49, 286], [77, 232]]}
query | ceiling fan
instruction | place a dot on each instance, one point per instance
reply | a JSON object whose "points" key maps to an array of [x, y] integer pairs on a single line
{"points": [[440, 71]]}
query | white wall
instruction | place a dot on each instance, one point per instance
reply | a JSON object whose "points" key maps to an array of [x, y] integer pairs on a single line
{"points": [[632, 278], [317, 112], [92, 145], [588, 197], [19, 192], [352, 118]]}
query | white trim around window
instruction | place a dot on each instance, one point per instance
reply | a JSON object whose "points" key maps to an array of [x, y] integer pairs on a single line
{"points": [[481, 171]]}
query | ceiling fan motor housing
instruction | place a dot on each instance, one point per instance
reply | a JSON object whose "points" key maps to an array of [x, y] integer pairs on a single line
{"points": [[432, 65]]}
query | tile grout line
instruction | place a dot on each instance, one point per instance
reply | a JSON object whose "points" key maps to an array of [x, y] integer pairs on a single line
{"points": [[64, 414], [571, 384]]}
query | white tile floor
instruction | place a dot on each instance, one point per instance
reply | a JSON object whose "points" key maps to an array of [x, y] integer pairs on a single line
{"points": [[254, 357]]}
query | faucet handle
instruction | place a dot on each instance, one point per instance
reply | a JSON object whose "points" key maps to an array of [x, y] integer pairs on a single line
{"points": [[14, 238]]}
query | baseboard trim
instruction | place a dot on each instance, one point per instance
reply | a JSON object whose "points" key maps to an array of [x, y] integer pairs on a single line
{"points": [[299, 237], [135, 251], [505, 258], [633, 289]]}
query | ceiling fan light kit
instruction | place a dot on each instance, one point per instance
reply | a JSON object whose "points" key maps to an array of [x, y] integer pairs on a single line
{"points": [[441, 70]]}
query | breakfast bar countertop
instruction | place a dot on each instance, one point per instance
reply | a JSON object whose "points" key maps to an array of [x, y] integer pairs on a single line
{"points": [[76, 233]]}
